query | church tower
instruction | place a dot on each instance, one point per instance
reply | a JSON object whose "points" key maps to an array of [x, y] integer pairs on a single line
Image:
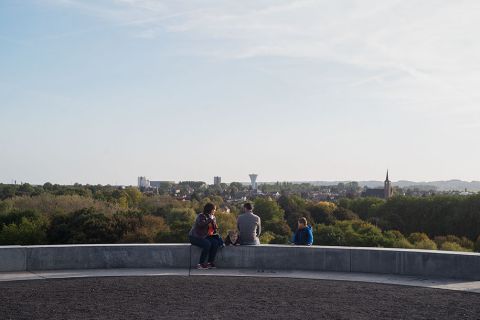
{"points": [[387, 188]]}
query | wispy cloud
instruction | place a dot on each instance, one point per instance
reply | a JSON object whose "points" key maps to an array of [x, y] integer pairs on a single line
{"points": [[424, 51]]}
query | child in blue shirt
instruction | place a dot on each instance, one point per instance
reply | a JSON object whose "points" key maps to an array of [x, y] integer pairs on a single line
{"points": [[303, 236]]}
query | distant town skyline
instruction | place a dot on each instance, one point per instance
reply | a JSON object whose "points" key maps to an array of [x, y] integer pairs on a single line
{"points": [[101, 92]]}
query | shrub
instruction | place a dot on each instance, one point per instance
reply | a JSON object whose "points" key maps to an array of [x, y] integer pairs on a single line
{"points": [[25, 233], [440, 240], [136, 227], [467, 243], [403, 243], [418, 237], [425, 244], [268, 210], [279, 228], [344, 214], [16, 217], [279, 239], [462, 243], [266, 237], [50, 204], [329, 235], [226, 221], [477, 244], [83, 226], [148, 230], [5, 207], [452, 246], [395, 239], [322, 212], [365, 234]]}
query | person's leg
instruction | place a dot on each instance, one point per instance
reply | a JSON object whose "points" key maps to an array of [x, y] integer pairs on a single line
{"points": [[204, 244], [213, 249]]}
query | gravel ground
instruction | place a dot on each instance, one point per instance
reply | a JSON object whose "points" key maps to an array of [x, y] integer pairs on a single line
{"points": [[228, 298]]}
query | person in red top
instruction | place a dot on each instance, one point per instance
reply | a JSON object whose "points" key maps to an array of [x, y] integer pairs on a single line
{"points": [[204, 235], [213, 231]]}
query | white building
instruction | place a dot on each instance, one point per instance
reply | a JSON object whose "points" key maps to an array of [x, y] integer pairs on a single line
{"points": [[143, 182]]}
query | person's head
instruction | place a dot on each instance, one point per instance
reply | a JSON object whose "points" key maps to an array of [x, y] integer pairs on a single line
{"points": [[233, 235], [248, 206], [302, 223], [209, 209]]}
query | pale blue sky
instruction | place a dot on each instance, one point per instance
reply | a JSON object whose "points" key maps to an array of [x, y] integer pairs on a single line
{"points": [[101, 91]]}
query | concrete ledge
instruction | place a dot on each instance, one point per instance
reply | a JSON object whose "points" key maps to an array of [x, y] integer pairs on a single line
{"points": [[280, 257], [107, 256], [12, 258], [420, 263], [425, 263]]}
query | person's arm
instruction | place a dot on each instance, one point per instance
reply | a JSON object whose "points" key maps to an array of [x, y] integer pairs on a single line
{"points": [[203, 221], [259, 227], [309, 237]]}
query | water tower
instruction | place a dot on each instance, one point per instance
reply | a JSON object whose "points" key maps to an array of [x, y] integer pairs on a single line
{"points": [[253, 180]]}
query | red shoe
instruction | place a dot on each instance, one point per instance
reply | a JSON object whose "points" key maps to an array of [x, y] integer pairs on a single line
{"points": [[211, 265], [202, 266]]}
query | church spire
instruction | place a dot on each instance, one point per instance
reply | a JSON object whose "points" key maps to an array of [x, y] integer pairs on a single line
{"points": [[387, 188]]}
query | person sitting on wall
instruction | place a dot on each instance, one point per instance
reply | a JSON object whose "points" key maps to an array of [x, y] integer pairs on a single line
{"points": [[249, 225], [232, 238], [213, 231], [199, 236], [303, 236]]}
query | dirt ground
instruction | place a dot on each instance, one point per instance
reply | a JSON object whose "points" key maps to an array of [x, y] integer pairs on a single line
{"points": [[228, 298]]}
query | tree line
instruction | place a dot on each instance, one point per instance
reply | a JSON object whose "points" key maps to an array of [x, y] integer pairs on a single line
{"points": [[53, 214]]}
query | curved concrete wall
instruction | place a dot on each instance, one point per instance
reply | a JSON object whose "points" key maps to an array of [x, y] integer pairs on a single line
{"points": [[264, 257]]}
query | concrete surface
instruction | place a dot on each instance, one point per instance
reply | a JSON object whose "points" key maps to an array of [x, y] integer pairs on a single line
{"points": [[456, 285], [107, 256], [12, 258]]}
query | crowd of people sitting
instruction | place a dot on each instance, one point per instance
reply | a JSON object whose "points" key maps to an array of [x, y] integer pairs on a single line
{"points": [[205, 234]]}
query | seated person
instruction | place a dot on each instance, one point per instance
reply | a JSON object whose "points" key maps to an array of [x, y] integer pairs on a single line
{"points": [[232, 238], [249, 226], [213, 231], [304, 235], [200, 236]]}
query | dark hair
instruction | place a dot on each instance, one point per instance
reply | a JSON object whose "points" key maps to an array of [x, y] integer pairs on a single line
{"points": [[248, 206], [208, 208], [303, 220]]}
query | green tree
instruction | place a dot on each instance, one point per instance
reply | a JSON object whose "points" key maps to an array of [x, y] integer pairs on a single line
{"points": [[268, 210], [83, 226], [322, 212], [329, 235], [26, 232], [294, 208]]}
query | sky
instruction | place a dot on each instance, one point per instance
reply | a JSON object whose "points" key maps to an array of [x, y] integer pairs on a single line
{"points": [[103, 91]]}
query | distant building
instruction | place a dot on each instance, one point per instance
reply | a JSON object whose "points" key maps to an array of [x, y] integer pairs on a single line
{"points": [[143, 183], [385, 193], [217, 181], [387, 188], [253, 181]]}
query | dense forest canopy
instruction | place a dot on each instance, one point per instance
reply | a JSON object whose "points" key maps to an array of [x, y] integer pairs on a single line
{"points": [[54, 214]]}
